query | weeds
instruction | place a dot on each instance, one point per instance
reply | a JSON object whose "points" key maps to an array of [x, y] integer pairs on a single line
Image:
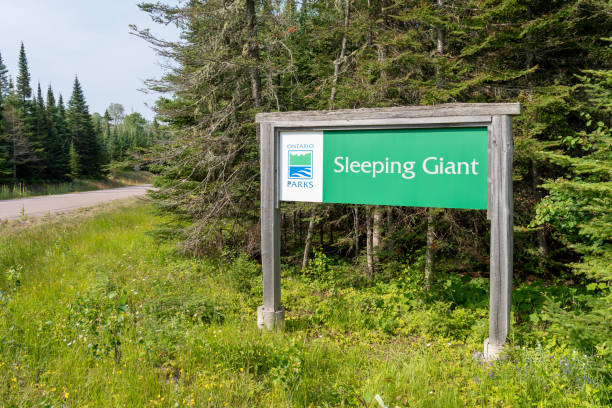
{"points": [[98, 313]]}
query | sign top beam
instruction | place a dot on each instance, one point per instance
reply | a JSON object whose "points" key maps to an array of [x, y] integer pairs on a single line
{"points": [[442, 110]]}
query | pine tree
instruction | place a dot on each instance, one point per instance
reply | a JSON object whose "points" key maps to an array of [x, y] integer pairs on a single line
{"points": [[20, 153], [577, 209], [4, 91], [56, 143], [4, 81], [24, 90], [82, 134], [74, 162], [62, 131], [60, 119], [225, 43], [40, 136]]}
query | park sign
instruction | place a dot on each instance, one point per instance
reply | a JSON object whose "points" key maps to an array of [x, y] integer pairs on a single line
{"points": [[432, 167], [450, 156]]}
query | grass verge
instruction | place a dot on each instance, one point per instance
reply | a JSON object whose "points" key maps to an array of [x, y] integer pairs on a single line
{"points": [[115, 179], [95, 313]]}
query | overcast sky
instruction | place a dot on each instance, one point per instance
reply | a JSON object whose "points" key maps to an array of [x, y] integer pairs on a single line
{"points": [[88, 38]]}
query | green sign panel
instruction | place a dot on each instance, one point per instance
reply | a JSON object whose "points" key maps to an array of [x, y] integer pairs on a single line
{"points": [[444, 167]]}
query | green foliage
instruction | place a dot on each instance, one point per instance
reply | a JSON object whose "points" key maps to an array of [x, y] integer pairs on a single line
{"points": [[127, 137], [82, 134], [116, 179], [24, 90], [4, 81], [577, 209], [98, 313], [74, 162], [244, 274], [35, 137]]}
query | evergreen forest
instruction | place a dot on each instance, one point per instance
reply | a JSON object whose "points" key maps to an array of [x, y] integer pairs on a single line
{"points": [[239, 58], [45, 140], [153, 303]]}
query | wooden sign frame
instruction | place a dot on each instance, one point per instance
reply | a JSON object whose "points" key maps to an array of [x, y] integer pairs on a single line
{"points": [[497, 117]]}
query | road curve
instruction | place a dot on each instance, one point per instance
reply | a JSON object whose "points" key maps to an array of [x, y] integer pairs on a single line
{"points": [[44, 205]]}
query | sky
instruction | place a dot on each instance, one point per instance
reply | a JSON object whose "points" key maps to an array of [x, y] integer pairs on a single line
{"points": [[91, 39]]}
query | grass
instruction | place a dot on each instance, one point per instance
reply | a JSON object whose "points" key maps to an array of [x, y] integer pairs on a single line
{"points": [[116, 179], [94, 312]]}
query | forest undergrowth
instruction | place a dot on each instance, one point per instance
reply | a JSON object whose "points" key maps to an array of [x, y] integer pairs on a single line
{"points": [[96, 312]]}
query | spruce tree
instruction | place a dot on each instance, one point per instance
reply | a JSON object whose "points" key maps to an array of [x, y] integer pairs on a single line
{"points": [[29, 169], [20, 153], [60, 119], [40, 135], [82, 134], [4, 91], [24, 90], [577, 209], [74, 162], [62, 130], [56, 143], [4, 81]]}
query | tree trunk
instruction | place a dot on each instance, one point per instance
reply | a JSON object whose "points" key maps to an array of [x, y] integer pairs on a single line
{"points": [[376, 235], [321, 229], [439, 46], [253, 51], [369, 258], [429, 252], [356, 230], [440, 33], [308, 244], [14, 158], [389, 221], [299, 224], [340, 60], [293, 228]]}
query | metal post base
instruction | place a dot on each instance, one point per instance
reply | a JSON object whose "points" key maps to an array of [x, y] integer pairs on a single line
{"points": [[491, 350], [270, 319]]}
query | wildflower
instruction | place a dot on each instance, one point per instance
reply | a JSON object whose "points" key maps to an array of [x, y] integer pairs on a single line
{"points": [[475, 379], [66, 394]]}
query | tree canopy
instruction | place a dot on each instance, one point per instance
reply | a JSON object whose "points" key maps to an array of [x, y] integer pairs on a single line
{"points": [[241, 57]]}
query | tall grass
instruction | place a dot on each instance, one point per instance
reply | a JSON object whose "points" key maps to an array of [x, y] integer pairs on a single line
{"points": [[95, 312], [117, 179]]}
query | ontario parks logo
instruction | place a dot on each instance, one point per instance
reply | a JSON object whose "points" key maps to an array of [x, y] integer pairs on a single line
{"points": [[300, 164]]}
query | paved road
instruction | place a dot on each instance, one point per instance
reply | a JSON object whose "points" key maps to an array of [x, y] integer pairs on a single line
{"points": [[51, 204]]}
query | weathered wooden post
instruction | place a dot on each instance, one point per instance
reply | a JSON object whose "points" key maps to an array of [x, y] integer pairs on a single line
{"points": [[271, 315], [294, 163], [500, 212]]}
